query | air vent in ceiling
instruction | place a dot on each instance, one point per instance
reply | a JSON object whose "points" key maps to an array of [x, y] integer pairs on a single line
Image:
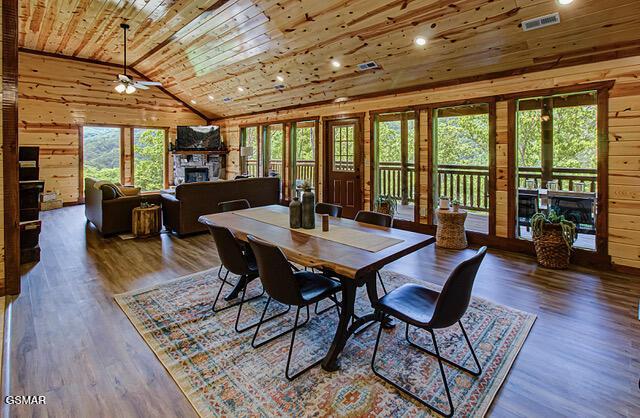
{"points": [[226, 99], [279, 87], [370, 65], [541, 22]]}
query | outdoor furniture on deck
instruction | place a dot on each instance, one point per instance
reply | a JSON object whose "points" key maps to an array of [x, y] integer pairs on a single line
{"points": [[450, 232], [577, 207], [354, 264], [528, 205]]}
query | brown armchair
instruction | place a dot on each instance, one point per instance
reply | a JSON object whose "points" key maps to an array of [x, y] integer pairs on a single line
{"points": [[111, 214]]}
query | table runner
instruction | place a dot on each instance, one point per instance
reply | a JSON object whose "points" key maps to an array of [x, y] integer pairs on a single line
{"points": [[368, 241]]}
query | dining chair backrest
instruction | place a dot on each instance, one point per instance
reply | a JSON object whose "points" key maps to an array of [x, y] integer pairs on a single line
{"points": [[241, 176], [329, 209], [374, 218], [229, 250], [456, 292], [275, 272], [231, 205]]}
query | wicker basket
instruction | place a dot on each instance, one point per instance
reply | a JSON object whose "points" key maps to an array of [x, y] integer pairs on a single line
{"points": [[551, 249]]}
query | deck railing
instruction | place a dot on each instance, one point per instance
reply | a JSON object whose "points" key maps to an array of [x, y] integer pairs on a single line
{"points": [[566, 177], [390, 181], [467, 183], [305, 169]]}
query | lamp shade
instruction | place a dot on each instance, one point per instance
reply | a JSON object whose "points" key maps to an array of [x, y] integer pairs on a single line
{"points": [[246, 151]]}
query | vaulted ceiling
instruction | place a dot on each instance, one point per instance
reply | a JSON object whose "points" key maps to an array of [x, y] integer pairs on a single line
{"points": [[204, 51]]}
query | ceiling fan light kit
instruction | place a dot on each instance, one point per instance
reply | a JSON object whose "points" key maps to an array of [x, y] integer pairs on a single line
{"points": [[126, 84]]}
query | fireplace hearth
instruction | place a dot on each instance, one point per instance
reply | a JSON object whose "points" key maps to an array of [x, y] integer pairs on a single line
{"points": [[195, 174]]}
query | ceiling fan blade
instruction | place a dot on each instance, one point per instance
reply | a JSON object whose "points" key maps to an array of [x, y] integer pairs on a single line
{"points": [[149, 83], [140, 86]]}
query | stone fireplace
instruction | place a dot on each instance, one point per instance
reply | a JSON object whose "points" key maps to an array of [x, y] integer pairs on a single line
{"points": [[196, 167]]}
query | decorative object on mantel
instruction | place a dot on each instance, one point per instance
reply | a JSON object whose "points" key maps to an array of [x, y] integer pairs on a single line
{"points": [[450, 232], [443, 203], [308, 207], [553, 238], [145, 220], [295, 213], [386, 204]]}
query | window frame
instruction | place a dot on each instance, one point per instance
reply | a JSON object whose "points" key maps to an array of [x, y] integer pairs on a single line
{"points": [[81, 197], [165, 158]]}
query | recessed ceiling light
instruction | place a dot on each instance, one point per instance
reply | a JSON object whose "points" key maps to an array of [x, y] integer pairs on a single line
{"points": [[420, 41], [240, 89], [193, 101], [565, 2], [210, 97], [341, 99], [280, 78], [335, 63]]}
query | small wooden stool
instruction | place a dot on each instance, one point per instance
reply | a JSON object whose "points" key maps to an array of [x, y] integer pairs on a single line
{"points": [[145, 222], [451, 233]]}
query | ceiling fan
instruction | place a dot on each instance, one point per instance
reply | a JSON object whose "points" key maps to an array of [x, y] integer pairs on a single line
{"points": [[126, 83]]}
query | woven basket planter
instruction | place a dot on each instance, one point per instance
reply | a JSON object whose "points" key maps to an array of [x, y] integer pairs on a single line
{"points": [[551, 249]]}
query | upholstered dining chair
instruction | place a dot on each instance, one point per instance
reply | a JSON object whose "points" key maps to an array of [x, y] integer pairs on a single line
{"points": [[379, 219], [329, 209], [229, 206], [239, 261], [300, 289], [430, 310]]}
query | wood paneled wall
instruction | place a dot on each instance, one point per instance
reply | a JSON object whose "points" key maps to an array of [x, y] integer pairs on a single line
{"points": [[56, 96], [624, 138]]}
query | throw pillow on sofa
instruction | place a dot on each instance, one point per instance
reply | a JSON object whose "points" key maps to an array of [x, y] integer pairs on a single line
{"points": [[128, 190]]}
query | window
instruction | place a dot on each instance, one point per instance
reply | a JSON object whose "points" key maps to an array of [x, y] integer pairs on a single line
{"points": [[343, 151], [395, 171], [148, 147], [303, 140], [101, 153], [274, 150], [461, 166], [556, 153], [250, 151]]}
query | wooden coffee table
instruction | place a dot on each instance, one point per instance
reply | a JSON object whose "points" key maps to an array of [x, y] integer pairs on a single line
{"points": [[145, 222]]}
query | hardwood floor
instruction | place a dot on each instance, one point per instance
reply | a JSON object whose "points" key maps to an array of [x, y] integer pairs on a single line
{"points": [[72, 343]]}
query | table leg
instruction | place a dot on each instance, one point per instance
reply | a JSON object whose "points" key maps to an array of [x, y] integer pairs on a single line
{"points": [[330, 362]]}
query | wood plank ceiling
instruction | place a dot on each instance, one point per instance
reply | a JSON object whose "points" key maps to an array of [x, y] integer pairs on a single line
{"points": [[207, 50]]}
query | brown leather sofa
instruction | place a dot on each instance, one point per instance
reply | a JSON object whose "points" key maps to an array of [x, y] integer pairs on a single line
{"points": [[180, 212], [111, 214]]}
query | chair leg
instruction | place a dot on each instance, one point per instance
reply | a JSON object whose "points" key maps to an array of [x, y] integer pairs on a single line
{"points": [[328, 308], [384, 289], [275, 337], [407, 392], [220, 272], [293, 340], [248, 327], [473, 353], [225, 282]]}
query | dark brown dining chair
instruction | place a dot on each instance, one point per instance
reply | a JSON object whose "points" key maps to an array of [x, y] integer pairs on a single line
{"points": [[300, 289], [232, 205], [430, 310], [329, 209], [239, 261], [379, 219]]}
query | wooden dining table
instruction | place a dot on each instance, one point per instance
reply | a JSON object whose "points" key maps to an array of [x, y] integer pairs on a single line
{"points": [[352, 265]]}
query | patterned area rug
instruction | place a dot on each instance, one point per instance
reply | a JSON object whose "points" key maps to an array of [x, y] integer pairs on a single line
{"points": [[222, 375]]}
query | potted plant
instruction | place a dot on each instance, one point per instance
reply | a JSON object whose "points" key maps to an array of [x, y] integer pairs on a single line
{"points": [[553, 238], [386, 204], [455, 203], [444, 203]]}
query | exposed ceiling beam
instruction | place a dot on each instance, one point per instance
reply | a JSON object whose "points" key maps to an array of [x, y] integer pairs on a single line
{"points": [[178, 34], [119, 66]]}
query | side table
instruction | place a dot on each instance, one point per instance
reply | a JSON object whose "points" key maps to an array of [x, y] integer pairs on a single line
{"points": [[450, 232], [145, 222]]}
